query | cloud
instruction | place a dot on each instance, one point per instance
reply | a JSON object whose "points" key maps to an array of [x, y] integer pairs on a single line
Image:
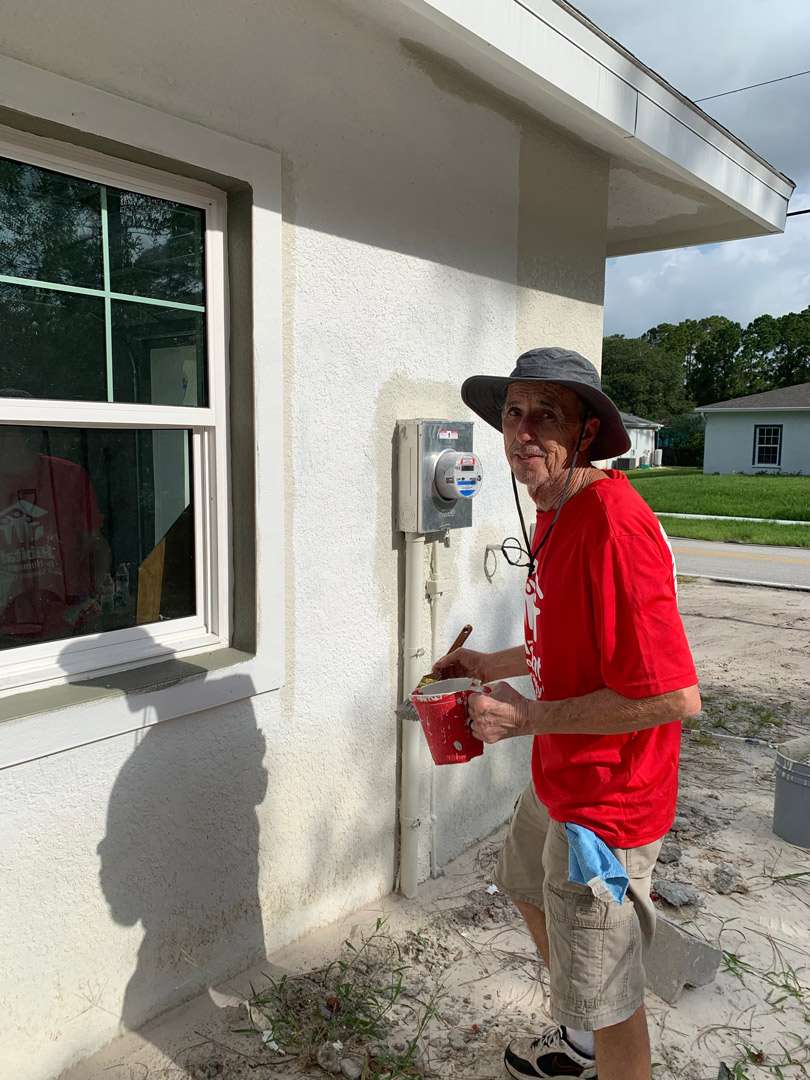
{"points": [[704, 49], [741, 280]]}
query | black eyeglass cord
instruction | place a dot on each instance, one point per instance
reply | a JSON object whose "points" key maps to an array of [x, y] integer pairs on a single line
{"points": [[527, 551]]}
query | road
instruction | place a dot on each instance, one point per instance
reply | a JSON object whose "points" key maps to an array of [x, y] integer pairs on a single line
{"points": [[748, 562]]}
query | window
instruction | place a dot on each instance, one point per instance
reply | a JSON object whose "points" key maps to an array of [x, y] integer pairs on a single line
{"points": [[113, 469], [768, 444]]}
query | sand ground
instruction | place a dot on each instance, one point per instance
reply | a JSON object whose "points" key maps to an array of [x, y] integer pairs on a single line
{"points": [[463, 942]]}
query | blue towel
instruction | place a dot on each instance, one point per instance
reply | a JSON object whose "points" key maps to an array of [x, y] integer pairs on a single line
{"points": [[592, 863]]}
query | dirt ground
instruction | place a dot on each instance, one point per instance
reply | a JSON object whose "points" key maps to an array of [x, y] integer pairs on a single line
{"points": [[466, 975]]}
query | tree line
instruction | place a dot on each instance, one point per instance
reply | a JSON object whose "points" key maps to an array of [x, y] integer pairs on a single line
{"points": [[674, 367]]}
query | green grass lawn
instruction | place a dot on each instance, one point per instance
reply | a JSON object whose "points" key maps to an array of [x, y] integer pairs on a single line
{"points": [[688, 491], [742, 532]]}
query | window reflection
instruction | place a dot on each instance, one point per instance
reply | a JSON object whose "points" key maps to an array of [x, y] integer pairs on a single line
{"points": [[53, 343], [50, 226], [96, 531], [156, 247]]}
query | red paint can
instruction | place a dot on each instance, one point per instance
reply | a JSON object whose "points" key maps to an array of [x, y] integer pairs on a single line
{"points": [[442, 710]]}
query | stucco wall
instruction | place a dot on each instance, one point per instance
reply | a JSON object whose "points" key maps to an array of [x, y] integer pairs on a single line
{"points": [[730, 441], [424, 239]]}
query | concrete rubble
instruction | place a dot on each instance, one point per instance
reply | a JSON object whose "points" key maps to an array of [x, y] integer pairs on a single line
{"points": [[678, 960]]}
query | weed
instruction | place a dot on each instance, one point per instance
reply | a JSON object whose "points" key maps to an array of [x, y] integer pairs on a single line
{"points": [[750, 719], [796, 1060], [350, 1006], [782, 978]]}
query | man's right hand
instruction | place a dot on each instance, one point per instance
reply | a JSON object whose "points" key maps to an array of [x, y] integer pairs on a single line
{"points": [[463, 663]]}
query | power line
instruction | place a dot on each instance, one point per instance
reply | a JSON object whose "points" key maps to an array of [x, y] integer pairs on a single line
{"points": [[753, 86], [795, 213]]}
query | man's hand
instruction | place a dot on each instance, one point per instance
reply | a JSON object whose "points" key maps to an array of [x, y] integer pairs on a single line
{"points": [[498, 712], [462, 664]]}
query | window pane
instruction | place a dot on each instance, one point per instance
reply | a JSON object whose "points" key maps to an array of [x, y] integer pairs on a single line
{"points": [[53, 344], [158, 354], [50, 226], [96, 531], [156, 247]]}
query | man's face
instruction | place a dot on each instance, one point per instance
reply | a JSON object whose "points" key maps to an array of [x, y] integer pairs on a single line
{"points": [[541, 426]]}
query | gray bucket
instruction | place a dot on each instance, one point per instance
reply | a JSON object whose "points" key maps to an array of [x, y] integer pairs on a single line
{"points": [[791, 804]]}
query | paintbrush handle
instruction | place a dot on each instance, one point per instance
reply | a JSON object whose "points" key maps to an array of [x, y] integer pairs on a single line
{"points": [[462, 637]]}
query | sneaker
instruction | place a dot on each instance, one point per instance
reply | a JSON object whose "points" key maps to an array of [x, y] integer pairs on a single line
{"points": [[550, 1056]]}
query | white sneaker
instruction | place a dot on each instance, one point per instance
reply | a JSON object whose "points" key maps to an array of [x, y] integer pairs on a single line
{"points": [[548, 1056]]}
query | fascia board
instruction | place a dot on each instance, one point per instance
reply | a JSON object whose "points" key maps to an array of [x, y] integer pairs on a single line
{"points": [[551, 51], [754, 408], [665, 138], [655, 90], [567, 72]]}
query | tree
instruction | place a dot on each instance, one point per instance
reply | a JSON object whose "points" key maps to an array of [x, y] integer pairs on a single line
{"points": [[682, 440], [674, 366], [759, 340], [791, 358], [709, 350], [643, 378]]}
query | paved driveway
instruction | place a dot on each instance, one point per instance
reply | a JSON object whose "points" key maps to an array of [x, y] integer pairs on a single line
{"points": [[748, 562]]}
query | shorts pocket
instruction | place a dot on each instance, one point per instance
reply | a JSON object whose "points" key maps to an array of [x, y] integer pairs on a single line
{"points": [[595, 950]]}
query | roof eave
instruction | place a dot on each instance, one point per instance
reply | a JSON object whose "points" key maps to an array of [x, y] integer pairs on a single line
{"points": [[558, 63], [752, 408]]}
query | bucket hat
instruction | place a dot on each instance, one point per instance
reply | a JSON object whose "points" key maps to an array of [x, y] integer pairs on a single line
{"points": [[485, 394]]}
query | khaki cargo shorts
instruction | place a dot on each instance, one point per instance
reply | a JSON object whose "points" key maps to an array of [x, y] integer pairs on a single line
{"points": [[596, 946]]}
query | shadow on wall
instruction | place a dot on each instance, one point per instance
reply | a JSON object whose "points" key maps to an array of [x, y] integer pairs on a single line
{"points": [[180, 854]]}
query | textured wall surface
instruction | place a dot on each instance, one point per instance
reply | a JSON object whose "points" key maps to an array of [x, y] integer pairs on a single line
{"points": [[428, 234], [730, 441]]}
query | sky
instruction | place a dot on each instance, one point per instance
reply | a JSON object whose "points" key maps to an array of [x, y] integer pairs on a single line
{"points": [[705, 47]]}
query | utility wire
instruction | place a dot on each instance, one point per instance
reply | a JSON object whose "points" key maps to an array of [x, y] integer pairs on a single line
{"points": [[753, 86], [795, 213]]}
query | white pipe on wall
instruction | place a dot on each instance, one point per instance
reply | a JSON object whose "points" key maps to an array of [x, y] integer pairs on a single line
{"points": [[414, 667], [434, 590]]}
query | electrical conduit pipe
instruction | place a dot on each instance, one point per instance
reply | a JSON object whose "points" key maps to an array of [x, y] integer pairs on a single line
{"points": [[413, 669]]}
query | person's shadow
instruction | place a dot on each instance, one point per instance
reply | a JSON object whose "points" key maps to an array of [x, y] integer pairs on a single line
{"points": [[180, 854]]}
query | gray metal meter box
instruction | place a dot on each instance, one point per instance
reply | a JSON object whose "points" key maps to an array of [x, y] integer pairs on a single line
{"points": [[438, 475]]}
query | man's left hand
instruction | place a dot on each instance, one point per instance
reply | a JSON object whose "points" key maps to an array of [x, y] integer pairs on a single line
{"points": [[498, 712]]}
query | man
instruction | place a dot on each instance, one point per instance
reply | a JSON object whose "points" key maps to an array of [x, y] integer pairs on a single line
{"points": [[613, 678]]}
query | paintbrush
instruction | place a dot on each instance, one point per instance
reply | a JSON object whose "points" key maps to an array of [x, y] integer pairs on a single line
{"points": [[464, 633]]}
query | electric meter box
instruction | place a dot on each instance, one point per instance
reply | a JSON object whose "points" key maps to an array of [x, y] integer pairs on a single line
{"points": [[438, 475]]}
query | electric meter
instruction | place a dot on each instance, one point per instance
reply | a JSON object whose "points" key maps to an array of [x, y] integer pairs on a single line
{"points": [[438, 473], [458, 475]]}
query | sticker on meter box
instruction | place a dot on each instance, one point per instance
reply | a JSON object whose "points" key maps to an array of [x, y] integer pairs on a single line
{"points": [[446, 433]]}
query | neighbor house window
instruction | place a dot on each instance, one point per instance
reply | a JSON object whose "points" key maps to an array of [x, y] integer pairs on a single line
{"points": [[113, 500], [768, 444]]}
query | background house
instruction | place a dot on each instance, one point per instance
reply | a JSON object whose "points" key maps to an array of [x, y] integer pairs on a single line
{"points": [[767, 432], [274, 230], [642, 441]]}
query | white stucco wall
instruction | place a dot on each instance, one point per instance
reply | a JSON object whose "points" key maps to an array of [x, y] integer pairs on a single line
{"points": [[414, 254], [729, 444]]}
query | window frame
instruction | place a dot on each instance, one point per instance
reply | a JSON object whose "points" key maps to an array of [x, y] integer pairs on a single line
{"points": [[757, 447], [38, 666]]}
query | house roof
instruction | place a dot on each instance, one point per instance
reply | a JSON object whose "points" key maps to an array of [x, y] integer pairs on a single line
{"points": [[677, 176], [631, 421], [787, 397]]}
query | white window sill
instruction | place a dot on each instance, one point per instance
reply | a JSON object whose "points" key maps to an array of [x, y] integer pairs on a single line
{"points": [[38, 723]]}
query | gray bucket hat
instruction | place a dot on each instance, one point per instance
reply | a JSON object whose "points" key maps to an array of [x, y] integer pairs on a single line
{"points": [[485, 394]]}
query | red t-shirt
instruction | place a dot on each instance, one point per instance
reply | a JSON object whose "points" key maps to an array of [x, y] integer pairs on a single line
{"points": [[601, 611], [48, 511]]}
